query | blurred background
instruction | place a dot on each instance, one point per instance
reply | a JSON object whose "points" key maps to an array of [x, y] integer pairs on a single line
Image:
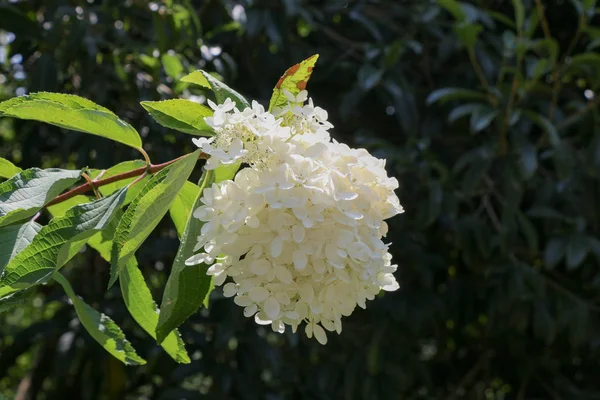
{"points": [[487, 114]]}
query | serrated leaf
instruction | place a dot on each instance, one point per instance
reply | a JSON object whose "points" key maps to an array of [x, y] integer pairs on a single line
{"points": [[222, 91], [8, 169], [60, 209], [120, 168], [182, 206], [16, 299], [101, 327], [71, 112], [181, 115], [447, 94], [14, 238], [26, 193], [136, 293], [58, 242], [147, 209], [142, 308], [293, 80], [188, 286]]}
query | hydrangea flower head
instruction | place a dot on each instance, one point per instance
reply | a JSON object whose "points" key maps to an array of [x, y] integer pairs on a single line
{"points": [[299, 231]]}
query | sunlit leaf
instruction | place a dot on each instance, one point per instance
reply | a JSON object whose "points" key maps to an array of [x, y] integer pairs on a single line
{"points": [[147, 209], [71, 112], [293, 80], [26, 193], [181, 115]]}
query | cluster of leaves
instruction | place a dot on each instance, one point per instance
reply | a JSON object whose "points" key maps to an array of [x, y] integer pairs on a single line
{"points": [[488, 115], [33, 254]]}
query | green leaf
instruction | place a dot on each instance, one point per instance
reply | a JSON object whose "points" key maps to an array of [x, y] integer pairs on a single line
{"points": [[454, 8], [577, 249], [58, 242], [468, 34], [221, 90], [71, 112], [120, 168], [16, 299], [147, 209], [447, 94], [546, 125], [136, 293], [543, 324], [14, 238], [8, 169], [529, 232], [142, 308], [172, 65], [519, 14], [182, 206], [462, 110], [60, 209], [188, 287], [101, 327], [482, 118], [293, 80], [555, 251], [27, 192], [181, 115]]}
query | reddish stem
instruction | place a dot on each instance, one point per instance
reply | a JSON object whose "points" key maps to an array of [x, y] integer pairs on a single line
{"points": [[115, 178]]}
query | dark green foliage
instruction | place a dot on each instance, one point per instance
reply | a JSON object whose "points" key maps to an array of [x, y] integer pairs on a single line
{"points": [[488, 117]]}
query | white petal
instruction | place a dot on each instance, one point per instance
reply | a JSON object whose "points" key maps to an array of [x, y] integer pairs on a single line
{"points": [[391, 287], [307, 293], [258, 294], [250, 310], [320, 334], [196, 259], [298, 232], [276, 247], [272, 308], [260, 266], [242, 301], [262, 319], [300, 259], [229, 290], [283, 274]]}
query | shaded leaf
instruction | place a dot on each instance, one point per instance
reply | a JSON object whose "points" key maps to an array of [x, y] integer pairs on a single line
{"points": [[555, 251], [188, 286], [546, 125], [577, 248], [447, 94], [101, 327]]}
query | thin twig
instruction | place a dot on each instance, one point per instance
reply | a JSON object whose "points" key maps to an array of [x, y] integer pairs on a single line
{"points": [[125, 175]]}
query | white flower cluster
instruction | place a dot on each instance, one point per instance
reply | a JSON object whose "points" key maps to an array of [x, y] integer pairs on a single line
{"points": [[300, 230]]}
